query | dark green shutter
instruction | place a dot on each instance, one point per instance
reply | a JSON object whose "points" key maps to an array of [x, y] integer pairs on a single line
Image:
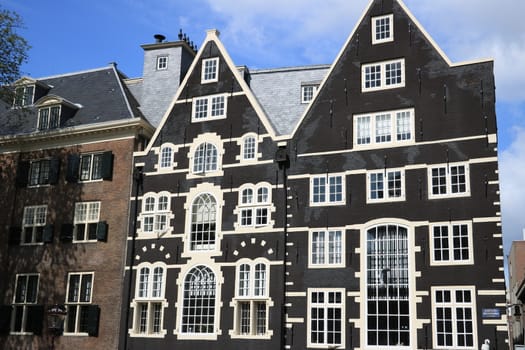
{"points": [[35, 319], [107, 166], [15, 235], [102, 231], [5, 319], [93, 315], [47, 236], [54, 170], [73, 164], [22, 174], [66, 233]]}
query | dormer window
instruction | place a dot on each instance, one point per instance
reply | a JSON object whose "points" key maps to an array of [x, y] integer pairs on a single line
{"points": [[210, 70], [308, 92], [162, 62], [382, 29], [24, 96], [49, 117]]}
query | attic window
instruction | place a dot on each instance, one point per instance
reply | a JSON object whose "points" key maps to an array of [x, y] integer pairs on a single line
{"points": [[308, 92], [49, 117], [162, 62], [382, 29], [24, 96], [383, 75], [210, 70]]}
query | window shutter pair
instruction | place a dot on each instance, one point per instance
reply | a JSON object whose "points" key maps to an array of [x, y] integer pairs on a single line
{"points": [[73, 165], [34, 322], [22, 174], [66, 232]]}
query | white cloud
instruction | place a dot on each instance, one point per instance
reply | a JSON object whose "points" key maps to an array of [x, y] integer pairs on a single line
{"points": [[512, 165]]}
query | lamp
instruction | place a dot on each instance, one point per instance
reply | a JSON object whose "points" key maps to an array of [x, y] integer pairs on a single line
{"points": [[56, 314]]}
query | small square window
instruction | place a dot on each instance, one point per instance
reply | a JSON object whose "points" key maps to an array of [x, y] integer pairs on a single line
{"points": [[308, 92], [162, 62], [382, 29], [210, 70], [383, 75]]}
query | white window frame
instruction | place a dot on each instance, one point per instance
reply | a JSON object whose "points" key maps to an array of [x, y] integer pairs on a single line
{"points": [[382, 79], [22, 305], [209, 244], [306, 95], [368, 132], [213, 76], [42, 168], [98, 157], [327, 189], [77, 304], [45, 124], [22, 97], [249, 151], [386, 189], [35, 223], [154, 216], [325, 305], [164, 162], [251, 208], [206, 165], [208, 110], [390, 37], [249, 293], [162, 62], [454, 305], [448, 176], [146, 317], [450, 241], [87, 214], [323, 248]]}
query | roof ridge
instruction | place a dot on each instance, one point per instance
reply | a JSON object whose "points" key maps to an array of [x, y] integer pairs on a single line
{"points": [[74, 73], [290, 68]]}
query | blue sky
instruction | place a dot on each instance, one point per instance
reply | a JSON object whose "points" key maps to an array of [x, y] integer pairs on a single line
{"points": [[74, 35]]}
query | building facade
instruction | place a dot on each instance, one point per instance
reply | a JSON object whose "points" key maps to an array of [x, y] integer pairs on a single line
{"points": [[516, 293], [347, 206]]}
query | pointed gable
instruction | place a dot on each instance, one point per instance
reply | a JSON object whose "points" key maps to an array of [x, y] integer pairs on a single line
{"points": [[391, 64]]}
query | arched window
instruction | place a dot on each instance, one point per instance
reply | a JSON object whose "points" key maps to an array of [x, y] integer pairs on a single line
{"points": [[203, 222], [155, 213], [205, 158], [166, 157], [198, 311], [254, 205], [149, 300], [249, 148]]}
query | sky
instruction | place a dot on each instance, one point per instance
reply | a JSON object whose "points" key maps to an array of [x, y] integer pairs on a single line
{"points": [[74, 35]]}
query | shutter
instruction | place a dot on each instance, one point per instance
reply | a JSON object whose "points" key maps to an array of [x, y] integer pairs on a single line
{"points": [[93, 315], [48, 233], [66, 233], [102, 231], [15, 235], [35, 319], [107, 166], [54, 170], [73, 163], [22, 174], [5, 319]]}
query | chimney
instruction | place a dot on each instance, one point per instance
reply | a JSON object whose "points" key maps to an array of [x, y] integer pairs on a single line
{"points": [[159, 38]]}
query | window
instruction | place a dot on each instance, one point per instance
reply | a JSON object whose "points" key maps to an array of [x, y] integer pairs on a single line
{"points": [[327, 189], [210, 70], [388, 311], [251, 299], [198, 310], [383, 75], [249, 148], [24, 96], [78, 300], [449, 180], [326, 317], [254, 206], [308, 92], [156, 213], [33, 224], [48, 118], [382, 29], [451, 243], [26, 291], [162, 62], [166, 157], [386, 185], [203, 223], [205, 159], [382, 129], [91, 166], [326, 248], [39, 172], [209, 107], [454, 317], [86, 221], [149, 300]]}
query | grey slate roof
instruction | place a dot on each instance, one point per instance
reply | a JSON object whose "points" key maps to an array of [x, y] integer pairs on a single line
{"points": [[279, 93], [99, 93]]}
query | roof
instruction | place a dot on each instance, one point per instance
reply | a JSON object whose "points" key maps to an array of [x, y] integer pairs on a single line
{"points": [[279, 93], [98, 95]]}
